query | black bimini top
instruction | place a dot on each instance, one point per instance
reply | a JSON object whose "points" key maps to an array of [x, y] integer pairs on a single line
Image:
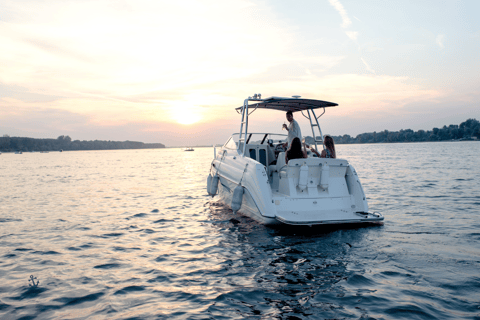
{"points": [[289, 104]]}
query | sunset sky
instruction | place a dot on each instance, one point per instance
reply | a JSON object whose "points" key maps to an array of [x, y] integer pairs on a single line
{"points": [[173, 71]]}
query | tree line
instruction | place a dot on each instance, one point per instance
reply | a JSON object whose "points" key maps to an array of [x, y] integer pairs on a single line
{"points": [[467, 130], [10, 144]]}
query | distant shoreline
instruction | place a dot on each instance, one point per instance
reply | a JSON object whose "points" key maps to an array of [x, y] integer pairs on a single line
{"points": [[65, 143], [468, 130]]}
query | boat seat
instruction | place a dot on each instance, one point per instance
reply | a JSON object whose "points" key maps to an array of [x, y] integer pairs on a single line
{"points": [[281, 161], [271, 154], [308, 161]]}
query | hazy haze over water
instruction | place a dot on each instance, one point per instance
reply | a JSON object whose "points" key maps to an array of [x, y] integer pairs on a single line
{"points": [[132, 234]]}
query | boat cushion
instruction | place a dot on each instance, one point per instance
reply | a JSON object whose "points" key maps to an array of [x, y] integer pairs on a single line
{"points": [[281, 161]]}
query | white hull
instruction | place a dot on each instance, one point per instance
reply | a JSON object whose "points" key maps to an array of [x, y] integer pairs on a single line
{"points": [[272, 194]]}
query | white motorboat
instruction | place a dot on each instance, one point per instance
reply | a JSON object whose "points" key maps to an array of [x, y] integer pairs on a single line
{"points": [[189, 149], [250, 174]]}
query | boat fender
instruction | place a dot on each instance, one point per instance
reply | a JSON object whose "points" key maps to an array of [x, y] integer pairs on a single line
{"points": [[237, 198], [325, 176], [302, 180], [212, 184]]}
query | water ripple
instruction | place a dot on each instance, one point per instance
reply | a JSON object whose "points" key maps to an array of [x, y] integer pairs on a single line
{"points": [[138, 248]]}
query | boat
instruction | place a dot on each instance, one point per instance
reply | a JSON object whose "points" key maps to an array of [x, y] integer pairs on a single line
{"points": [[249, 174], [188, 149]]}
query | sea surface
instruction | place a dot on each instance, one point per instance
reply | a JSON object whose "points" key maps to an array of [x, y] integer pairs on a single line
{"points": [[132, 234]]}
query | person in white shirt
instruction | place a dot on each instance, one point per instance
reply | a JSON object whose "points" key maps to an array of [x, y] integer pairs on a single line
{"points": [[293, 130]]}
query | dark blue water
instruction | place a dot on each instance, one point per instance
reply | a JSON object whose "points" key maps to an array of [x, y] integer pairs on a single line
{"points": [[132, 235]]}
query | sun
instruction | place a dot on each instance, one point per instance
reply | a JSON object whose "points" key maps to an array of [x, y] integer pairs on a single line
{"points": [[185, 114], [189, 119]]}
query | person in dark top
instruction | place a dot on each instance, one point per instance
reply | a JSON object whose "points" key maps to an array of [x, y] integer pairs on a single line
{"points": [[295, 151]]}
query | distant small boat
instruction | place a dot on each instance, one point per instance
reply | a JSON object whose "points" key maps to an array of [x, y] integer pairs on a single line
{"points": [[18, 152], [188, 149]]}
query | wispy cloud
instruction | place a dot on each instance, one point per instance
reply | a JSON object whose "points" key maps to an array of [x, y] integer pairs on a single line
{"points": [[367, 66], [440, 41], [352, 35], [346, 22]]}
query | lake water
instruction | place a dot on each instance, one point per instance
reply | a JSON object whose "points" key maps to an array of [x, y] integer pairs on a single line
{"points": [[132, 234]]}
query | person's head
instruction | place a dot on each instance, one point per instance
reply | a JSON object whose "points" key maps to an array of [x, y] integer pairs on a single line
{"points": [[296, 145], [329, 142], [289, 116]]}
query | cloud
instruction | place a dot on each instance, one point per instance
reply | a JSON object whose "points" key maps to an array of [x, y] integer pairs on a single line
{"points": [[352, 35], [346, 22], [132, 69], [359, 96], [369, 69], [440, 41], [39, 119], [100, 50]]}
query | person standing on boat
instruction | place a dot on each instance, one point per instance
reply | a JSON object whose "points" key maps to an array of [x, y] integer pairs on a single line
{"points": [[293, 130]]}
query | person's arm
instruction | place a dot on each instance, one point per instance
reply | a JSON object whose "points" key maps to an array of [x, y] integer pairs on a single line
{"points": [[315, 151], [324, 154]]}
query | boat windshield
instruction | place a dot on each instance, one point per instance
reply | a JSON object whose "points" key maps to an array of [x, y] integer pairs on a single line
{"points": [[258, 138]]}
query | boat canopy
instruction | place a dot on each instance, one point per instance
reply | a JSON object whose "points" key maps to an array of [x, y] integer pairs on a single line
{"points": [[289, 104]]}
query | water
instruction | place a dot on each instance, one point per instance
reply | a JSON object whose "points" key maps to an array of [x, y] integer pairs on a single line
{"points": [[131, 234]]}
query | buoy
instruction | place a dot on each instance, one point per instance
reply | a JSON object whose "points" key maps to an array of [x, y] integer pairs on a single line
{"points": [[302, 180], [237, 198], [212, 184], [325, 176]]}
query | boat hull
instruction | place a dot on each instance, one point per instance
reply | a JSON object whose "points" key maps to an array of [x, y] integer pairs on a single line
{"points": [[248, 208], [337, 198]]}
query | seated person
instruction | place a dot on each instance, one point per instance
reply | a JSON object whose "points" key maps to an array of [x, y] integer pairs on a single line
{"points": [[329, 151], [295, 151]]}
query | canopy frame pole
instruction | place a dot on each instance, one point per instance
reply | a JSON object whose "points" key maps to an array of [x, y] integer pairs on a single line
{"points": [[316, 124], [242, 136]]}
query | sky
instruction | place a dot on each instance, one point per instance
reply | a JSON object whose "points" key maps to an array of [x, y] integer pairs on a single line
{"points": [[174, 71]]}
